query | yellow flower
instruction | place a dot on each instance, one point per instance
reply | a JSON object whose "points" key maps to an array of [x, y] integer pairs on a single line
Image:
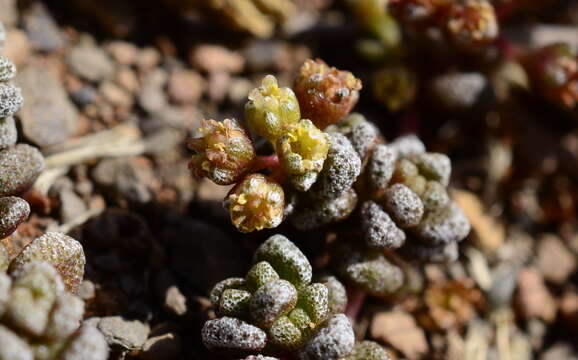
{"points": [[302, 152], [271, 109], [224, 152], [256, 203]]}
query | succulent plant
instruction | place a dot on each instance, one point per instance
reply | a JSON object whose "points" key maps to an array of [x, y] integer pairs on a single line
{"points": [[64, 253], [367, 269], [40, 320], [20, 164], [402, 187], [40, 316], [405, 206], [305, 158], [410, 186], [277, 310]]}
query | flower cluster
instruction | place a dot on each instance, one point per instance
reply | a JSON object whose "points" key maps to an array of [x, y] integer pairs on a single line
{"points": [[305, 158], [401, 188], [277, 310], [467, 24], [553, 71]]}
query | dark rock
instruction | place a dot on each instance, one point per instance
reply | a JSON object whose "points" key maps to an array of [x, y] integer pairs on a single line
{"points": [[196, 247], [118, 229], [84, 96]]}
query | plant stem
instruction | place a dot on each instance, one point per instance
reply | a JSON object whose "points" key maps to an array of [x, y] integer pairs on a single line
{"points": [[356, 298], [271, 163]]}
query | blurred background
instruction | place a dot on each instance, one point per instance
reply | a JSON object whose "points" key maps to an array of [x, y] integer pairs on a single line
{"points": [[114, 88]]}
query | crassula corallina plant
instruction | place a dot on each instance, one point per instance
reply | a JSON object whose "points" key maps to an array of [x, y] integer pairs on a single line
{"points": [[20, 164], [40, 320], [303, 155], [277, 311], [404, 206]]}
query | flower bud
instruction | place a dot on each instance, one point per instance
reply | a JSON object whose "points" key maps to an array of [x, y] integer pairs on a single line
{"points": [[256, 203], [472, 23], [326, 95], [224, 153], [395, 87], [302, 152], [553, 72], [271, 109]]}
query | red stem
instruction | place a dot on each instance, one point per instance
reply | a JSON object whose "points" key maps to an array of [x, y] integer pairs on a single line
{"points": [[266, 162], [356, 298], [271, 163]]}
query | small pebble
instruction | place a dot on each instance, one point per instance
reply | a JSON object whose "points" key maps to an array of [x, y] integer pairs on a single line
{"points": [[128, 334], [90, 62]]}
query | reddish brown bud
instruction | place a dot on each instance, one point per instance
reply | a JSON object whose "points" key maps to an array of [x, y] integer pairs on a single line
{"points": [[326, 95], [553, 71], [472, 23]]}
